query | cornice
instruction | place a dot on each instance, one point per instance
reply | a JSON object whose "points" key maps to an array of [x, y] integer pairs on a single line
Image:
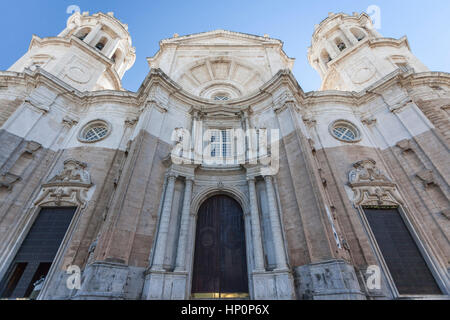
{"points": [[378, 42], [100, 15], [259, 41], [339, 16], [370, 42], [157, 77], [218, 32]]}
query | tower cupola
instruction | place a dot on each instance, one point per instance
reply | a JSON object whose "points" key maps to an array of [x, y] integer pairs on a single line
{"points": [[92, 53], [350, 54]]}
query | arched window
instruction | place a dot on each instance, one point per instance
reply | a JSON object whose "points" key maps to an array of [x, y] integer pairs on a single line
{"points": [[325, 57], [117, 56], [101, 44], [340, 44], [82, 34], [358, 33]]}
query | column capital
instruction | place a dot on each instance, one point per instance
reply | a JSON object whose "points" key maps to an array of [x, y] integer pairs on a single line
{"points": [[251, 179], [197, 114], [171, 176], [268, 178], [190, 179], [246, 113]]}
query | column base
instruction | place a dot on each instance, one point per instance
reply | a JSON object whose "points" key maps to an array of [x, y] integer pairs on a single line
{"points": [[329, 280], [273, 285], [164, 285], [110, 281]]}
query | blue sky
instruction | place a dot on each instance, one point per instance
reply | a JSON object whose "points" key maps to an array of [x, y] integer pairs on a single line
{"points": [[425, 23]]}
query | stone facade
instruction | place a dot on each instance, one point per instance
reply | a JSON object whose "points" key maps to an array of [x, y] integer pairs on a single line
{"points": [[133, 233]]}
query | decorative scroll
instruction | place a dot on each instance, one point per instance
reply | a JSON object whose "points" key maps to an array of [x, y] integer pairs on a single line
{"points": [[405, 145], [371, 186], [67, 188], [7, 180], [427, 177]]}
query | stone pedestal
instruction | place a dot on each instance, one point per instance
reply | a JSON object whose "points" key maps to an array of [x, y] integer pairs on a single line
{"points": [[162, 285], [110, 281], [273, 285], [329, 280]]}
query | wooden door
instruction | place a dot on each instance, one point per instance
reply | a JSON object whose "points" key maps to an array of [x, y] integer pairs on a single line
{"points": [[220, 261]]}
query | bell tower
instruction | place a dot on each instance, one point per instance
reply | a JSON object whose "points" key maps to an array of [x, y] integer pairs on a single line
{"points": [[350, 54], [92, 53]]}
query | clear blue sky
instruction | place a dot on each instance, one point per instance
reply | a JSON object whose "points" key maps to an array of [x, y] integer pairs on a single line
{"points": [[426, 24]]}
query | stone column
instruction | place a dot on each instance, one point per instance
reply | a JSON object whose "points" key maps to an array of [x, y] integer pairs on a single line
{"points": [[256, 227], [93, 34], [350, 36], [180, 264], [275, 224], [111, 48], [160, 249], [193, 134], [198, 138]]}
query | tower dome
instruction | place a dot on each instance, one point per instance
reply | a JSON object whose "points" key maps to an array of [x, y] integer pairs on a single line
{"points": [[92, 53], [349, 54]]}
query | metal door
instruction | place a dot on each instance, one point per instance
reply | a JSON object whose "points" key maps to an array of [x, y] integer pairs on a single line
{"points": [[403, 258], [37, 252]]}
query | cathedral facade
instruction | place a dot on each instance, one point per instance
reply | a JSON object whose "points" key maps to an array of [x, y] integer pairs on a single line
{"points": [[220, 177]]}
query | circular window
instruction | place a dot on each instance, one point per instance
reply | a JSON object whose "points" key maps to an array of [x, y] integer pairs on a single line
{"points": [[345, 131], [94, 131]]}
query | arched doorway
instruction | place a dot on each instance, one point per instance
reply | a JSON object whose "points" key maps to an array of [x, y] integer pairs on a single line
{"points": [[220, 261]]}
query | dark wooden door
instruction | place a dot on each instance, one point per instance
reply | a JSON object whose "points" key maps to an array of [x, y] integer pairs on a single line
{"points": [[35, 256], [220, 265], [403, 258]]}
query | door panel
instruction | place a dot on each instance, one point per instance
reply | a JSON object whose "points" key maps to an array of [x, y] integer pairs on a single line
{"points": [[220, 265], [403, 258]]}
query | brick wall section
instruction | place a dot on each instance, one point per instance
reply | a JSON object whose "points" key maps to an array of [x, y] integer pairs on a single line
{"points": [[293, 224], [103, 165], [7, 108], [122, 239], [336, 163], [307, 197], [146, 225], [438, 112], [15, 202], [423, 206]]}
